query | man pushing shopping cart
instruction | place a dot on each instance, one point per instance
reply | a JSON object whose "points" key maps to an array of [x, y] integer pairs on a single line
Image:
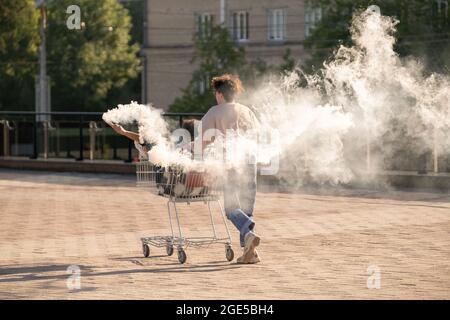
{"points": [[239, 189], [240, 183]]}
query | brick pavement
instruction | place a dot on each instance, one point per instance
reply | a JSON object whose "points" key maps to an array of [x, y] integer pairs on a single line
{"points": [[315, 245]]}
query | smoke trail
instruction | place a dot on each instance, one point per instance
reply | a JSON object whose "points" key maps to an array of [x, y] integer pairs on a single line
{"points": [[365, 106], [152, 127], [365, 101]]}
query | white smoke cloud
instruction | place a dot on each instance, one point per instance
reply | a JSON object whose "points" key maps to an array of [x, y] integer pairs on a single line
{"points": [[153, 129], [151, 125], [366, 98]]}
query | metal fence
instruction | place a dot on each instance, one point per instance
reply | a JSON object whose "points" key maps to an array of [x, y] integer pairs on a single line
{"points": [[76, 135], [84, 135]]}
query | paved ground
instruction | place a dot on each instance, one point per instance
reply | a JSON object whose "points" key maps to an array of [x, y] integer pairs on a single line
{"points": [[315, 244]]}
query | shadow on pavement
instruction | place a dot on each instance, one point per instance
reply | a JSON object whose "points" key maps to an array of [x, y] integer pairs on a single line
{"points": [[32, 273], [12, 270]]}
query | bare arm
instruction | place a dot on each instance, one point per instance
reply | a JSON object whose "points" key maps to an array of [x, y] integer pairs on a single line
{"points": [[129, 134]]}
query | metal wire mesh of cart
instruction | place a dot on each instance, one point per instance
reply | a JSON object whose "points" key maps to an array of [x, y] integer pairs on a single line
{"points": [[178, 185], [146, 174]]}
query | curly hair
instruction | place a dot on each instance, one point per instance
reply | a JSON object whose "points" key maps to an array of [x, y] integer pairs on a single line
{"points": [[189, 125], [228, 85]]}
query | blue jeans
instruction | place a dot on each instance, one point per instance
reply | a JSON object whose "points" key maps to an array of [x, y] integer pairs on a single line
{"points": [[239, 198]]}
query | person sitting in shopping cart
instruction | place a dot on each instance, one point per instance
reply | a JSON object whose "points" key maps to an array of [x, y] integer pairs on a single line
{"points": [[240, 185]]}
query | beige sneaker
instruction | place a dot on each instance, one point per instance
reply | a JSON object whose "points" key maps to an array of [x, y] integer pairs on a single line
{"points": [[251, 242], [255, 259]]}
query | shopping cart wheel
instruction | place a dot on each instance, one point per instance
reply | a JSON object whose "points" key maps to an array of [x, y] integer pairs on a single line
{"points": [[181, 256], [169, 249], [146, 250], [229, 253]]}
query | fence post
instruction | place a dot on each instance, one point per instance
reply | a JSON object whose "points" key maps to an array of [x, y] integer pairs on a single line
{"points": [[5, 138], [35, 151], [45, 128], [16, 138], [129, 160], [57, 139], [92, 130], [435, 152], [80, 158]]}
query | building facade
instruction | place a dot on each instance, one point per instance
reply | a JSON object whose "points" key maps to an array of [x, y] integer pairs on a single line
{"points": [[266, 28]]}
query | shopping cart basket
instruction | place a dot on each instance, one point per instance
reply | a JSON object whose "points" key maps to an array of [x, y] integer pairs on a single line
{"points": [[178, 186]]}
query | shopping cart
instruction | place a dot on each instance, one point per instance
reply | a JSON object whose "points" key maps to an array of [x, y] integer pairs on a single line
{"points": [[178, 186]]}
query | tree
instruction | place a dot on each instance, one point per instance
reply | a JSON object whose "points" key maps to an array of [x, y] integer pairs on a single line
{"points": [[19, 41], [216, 54], [288, 63], [88, 64], [424, 29], [131, 91]]}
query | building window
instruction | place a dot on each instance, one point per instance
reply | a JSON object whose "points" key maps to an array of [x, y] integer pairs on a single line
{"points": [[203, 24], [240, 25], [203, 84], [276, 24], [312, 18]]}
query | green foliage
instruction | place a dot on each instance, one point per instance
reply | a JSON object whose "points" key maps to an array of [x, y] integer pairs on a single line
{"points": [[136, 12], [422, 30], [288, 63], [19, 41], [90, 69], [86, 65], [131, 91], [216, 54]]}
